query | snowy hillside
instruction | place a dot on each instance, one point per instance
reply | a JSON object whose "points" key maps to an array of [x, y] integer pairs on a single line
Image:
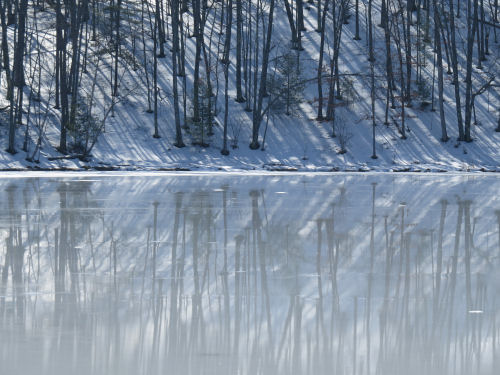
{"points": [[123, 127]]}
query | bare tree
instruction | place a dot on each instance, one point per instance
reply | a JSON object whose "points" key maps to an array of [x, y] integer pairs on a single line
{"points": [[175, 50], [439, 58], [227, 47], [257, 114]]}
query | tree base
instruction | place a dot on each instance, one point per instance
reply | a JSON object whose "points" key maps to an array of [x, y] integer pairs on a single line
{"points": [[63, 151], [201, 144], [254, 145], [224, 152]]}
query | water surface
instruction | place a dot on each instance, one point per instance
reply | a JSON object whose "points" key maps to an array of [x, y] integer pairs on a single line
{"points": [[302, 274]]}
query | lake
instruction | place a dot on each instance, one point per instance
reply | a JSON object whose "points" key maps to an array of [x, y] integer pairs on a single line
{"points": [[249, 274]]}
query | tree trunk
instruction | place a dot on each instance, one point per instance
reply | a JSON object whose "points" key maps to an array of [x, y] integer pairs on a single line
{"points": [[196, 79], [388, 58], [356, 36], [409, 9], [117, 45], [371, 56], [61, 57], [439, 57], [155, 76], [5, 46], [472, 25], [454, 63], [291, 22], [300, 16], [320, 63], [372, 77], [160, 33], [257, 115], [227, 47], [239, 31], [175, 48], [18, 69]]}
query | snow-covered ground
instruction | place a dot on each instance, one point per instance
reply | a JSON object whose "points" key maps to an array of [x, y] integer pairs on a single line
{"points": [[292, 142]]}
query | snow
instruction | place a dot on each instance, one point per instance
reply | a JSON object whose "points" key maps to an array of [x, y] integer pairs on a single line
{"points": [[297, 142]]}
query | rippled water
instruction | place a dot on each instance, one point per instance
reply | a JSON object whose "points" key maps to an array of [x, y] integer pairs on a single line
{"points": [[228, 274]]}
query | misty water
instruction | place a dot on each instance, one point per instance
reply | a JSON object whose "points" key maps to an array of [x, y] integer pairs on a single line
{"points": [[236, 274]]}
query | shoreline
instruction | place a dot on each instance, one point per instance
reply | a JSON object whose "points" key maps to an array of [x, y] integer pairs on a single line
{"points": [[285, 170]]}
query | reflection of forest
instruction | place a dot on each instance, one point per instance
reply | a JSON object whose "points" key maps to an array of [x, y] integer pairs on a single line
{"points": [[351, 275]]}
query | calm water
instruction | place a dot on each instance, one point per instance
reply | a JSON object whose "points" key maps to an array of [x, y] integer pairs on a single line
{"points": [[342, 274]]}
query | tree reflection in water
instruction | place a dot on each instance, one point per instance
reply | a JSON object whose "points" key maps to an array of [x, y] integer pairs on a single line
{"points": [[346, 274]]}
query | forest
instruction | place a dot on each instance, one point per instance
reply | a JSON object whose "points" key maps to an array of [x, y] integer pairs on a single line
{"points": [[84, 79]]}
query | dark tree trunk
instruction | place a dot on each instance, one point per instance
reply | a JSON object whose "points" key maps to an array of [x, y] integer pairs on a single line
{"points": [[160, 30], [18, 69], [300, 16], [439, 57], [156, 133], [371, 55], [61, 57], [409, 9], [257, 115], [472, 23], [320, 63], [291, 22], [175, 48], [372, 77], [356, 36], [5, 46], [227, 47], [239, 31], [196, 79], [388, 59], [117, 45], [454, 63]]}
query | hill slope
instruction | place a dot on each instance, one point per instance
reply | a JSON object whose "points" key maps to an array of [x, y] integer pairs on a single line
{"points": [[295, 141]]}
